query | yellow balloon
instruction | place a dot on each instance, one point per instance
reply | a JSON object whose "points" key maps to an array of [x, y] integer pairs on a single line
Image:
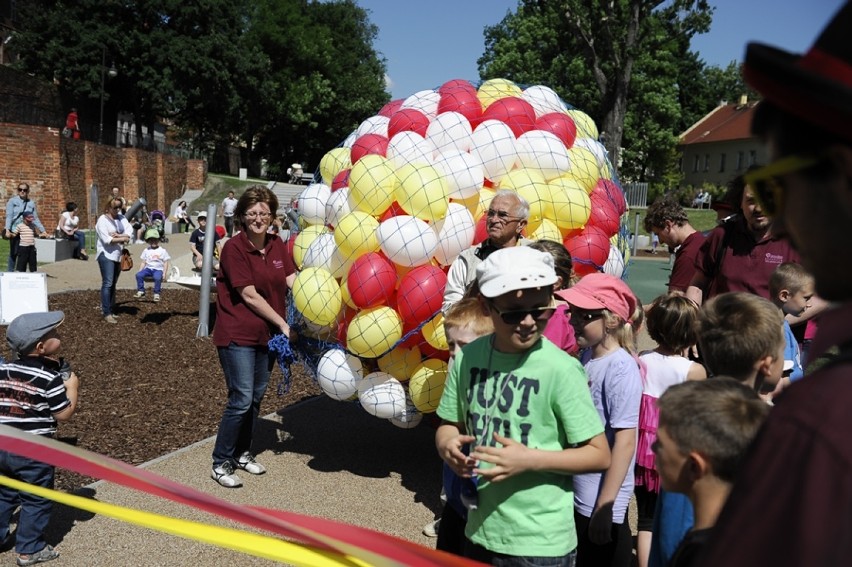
{"points": [[584, 167], [530, 185], [303, 241], [372, 182], [472, 204], [373, 331], [547, 230], [316, 295], [422, 192], [356, 235], [433, 332], [493, 90], [622, 245], [400, 362], [586, 127], [427, 385], [486, 194], [333, 162], [570, 202], [344, 291]]}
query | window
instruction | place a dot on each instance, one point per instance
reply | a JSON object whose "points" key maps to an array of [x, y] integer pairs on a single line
{"points": [[706, 162], [752, 157], [696, 163], [722, 163], [740, 156]]}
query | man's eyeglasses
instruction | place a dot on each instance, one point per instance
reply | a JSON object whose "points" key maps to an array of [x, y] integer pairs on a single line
{"points": [[502, 215], [261, 216], [585, 316], [515, 317], [765, 182]]}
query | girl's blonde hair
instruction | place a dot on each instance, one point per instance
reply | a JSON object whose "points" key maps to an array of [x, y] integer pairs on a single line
{"points": [[626, 332]]}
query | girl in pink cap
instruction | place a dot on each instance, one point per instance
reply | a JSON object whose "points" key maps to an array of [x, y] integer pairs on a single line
{"points": [[604, 312]]}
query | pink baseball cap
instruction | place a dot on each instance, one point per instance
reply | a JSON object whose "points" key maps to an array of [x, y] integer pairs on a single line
{"points": [[602, 291]]}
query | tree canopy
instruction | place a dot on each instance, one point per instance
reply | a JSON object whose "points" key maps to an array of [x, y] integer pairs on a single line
{"points": [[284, 80]]}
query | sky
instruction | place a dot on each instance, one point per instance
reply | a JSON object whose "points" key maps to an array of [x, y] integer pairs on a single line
{"points": [[429, 42]]}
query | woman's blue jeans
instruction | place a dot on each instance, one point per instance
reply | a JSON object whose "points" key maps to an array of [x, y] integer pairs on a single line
{"points": [[35, 510], [109, 280], [247, 370], [80, 238]]}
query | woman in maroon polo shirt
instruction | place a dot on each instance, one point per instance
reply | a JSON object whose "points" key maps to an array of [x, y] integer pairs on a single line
{"points": [[255, 271]]}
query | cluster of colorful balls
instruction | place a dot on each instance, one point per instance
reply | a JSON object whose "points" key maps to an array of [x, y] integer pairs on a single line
{"points": [[405, 193]]}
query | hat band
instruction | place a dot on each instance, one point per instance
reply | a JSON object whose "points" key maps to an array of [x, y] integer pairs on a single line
{"points": [[827, 65]]}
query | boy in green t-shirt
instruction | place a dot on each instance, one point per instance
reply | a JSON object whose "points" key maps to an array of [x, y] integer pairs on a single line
{"points": [[525, 408]]}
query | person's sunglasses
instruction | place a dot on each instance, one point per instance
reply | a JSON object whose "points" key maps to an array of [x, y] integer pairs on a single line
{"points": [[502, 215], [765, 182], [585, 316], [22, 190], [515, 317]]}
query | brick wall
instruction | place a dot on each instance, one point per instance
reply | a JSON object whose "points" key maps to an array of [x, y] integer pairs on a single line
{"points": [[59, 170]]}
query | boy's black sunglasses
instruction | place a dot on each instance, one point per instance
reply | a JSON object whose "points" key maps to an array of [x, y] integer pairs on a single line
{"points": [[515, 317]]}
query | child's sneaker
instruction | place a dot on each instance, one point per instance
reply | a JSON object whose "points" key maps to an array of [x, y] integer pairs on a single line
{"points": [[47, 553], [156, 298], [224, 475], [431, 529], [139, 294], [248, 464]]}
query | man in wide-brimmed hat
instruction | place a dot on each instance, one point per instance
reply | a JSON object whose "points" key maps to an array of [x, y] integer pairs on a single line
{"points": [[792, 502]]}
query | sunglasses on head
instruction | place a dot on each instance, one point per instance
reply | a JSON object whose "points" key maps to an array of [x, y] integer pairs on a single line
{"points": [[515, 317], [765, 182]]}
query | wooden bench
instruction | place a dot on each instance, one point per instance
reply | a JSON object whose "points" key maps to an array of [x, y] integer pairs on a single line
{"points": [[50, 250]]}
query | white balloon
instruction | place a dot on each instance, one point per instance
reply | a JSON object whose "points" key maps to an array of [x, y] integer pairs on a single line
{"points": [[372, 125], [545, 152], [424, 101], [543, 100], [455, 233], [462, 173], [323, 253], [312, 201], [598, 149], [350, 139], [409, 418], [493, 142], [381, 395], [409, 147], [337, 206], [338, 374], [449, 131], [614, 264], [407, 240]]}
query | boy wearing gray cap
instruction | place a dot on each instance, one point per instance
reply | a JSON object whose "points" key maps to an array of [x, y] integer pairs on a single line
{"points": [[37, 390], [524, 408]]}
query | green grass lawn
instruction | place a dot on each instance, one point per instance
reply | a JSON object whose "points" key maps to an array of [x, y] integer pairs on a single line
{"points": [[700, 219]]}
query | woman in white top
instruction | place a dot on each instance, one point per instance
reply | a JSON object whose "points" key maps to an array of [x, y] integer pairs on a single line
{"points": [[113, 233], [69, 227], [184, 222]]}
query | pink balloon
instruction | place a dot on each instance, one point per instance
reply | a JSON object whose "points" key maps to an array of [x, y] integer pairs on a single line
{"points": [[516, 113], [456, 85], [421, 293], [340, 180], [391, 107], [368, 144], [464, 102], [371, 280], [408, 119], [560, 124], [480, 233], [589, 249]]}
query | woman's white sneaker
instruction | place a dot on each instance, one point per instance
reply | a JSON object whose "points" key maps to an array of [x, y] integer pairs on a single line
{"points": [[248, 464], [224, 475]]}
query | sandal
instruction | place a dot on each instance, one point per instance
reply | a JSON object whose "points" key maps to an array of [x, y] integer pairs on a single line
{"points": [[46, 554]]}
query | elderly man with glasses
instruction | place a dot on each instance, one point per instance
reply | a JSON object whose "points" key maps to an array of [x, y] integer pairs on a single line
{"points": [[15, 209], [507, 213]]}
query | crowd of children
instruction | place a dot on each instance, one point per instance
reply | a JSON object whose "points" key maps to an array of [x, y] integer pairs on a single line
{"points": [[546, 440]]}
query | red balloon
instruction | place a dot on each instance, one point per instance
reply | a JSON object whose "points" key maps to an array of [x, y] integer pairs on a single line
{"points": [[518, 114], [589, 249], [340, 180], [609, 190], [368, 144], [604, 214], [421, 293], [391, 107], [343, 325], [371, 280], [456, 85], [560, 124], [414, 340], [464, 102], [480, 233], [393, 211], [408, 119], [428, 351]]}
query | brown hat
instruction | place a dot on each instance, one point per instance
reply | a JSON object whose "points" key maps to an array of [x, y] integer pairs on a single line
{"points": [[817, 86]]}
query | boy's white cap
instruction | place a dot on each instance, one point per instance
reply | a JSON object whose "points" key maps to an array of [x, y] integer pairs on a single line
{"points": [[511, 269]]}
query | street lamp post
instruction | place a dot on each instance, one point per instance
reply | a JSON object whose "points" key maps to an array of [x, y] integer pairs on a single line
{"points": [[112, 73]]}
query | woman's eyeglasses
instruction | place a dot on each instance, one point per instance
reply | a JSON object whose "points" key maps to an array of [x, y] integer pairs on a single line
{"points": [[262, 216], [765, 182], [515, 317]]}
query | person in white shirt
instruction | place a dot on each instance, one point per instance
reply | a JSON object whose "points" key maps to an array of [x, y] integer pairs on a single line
{"points": [[229, 205]]}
